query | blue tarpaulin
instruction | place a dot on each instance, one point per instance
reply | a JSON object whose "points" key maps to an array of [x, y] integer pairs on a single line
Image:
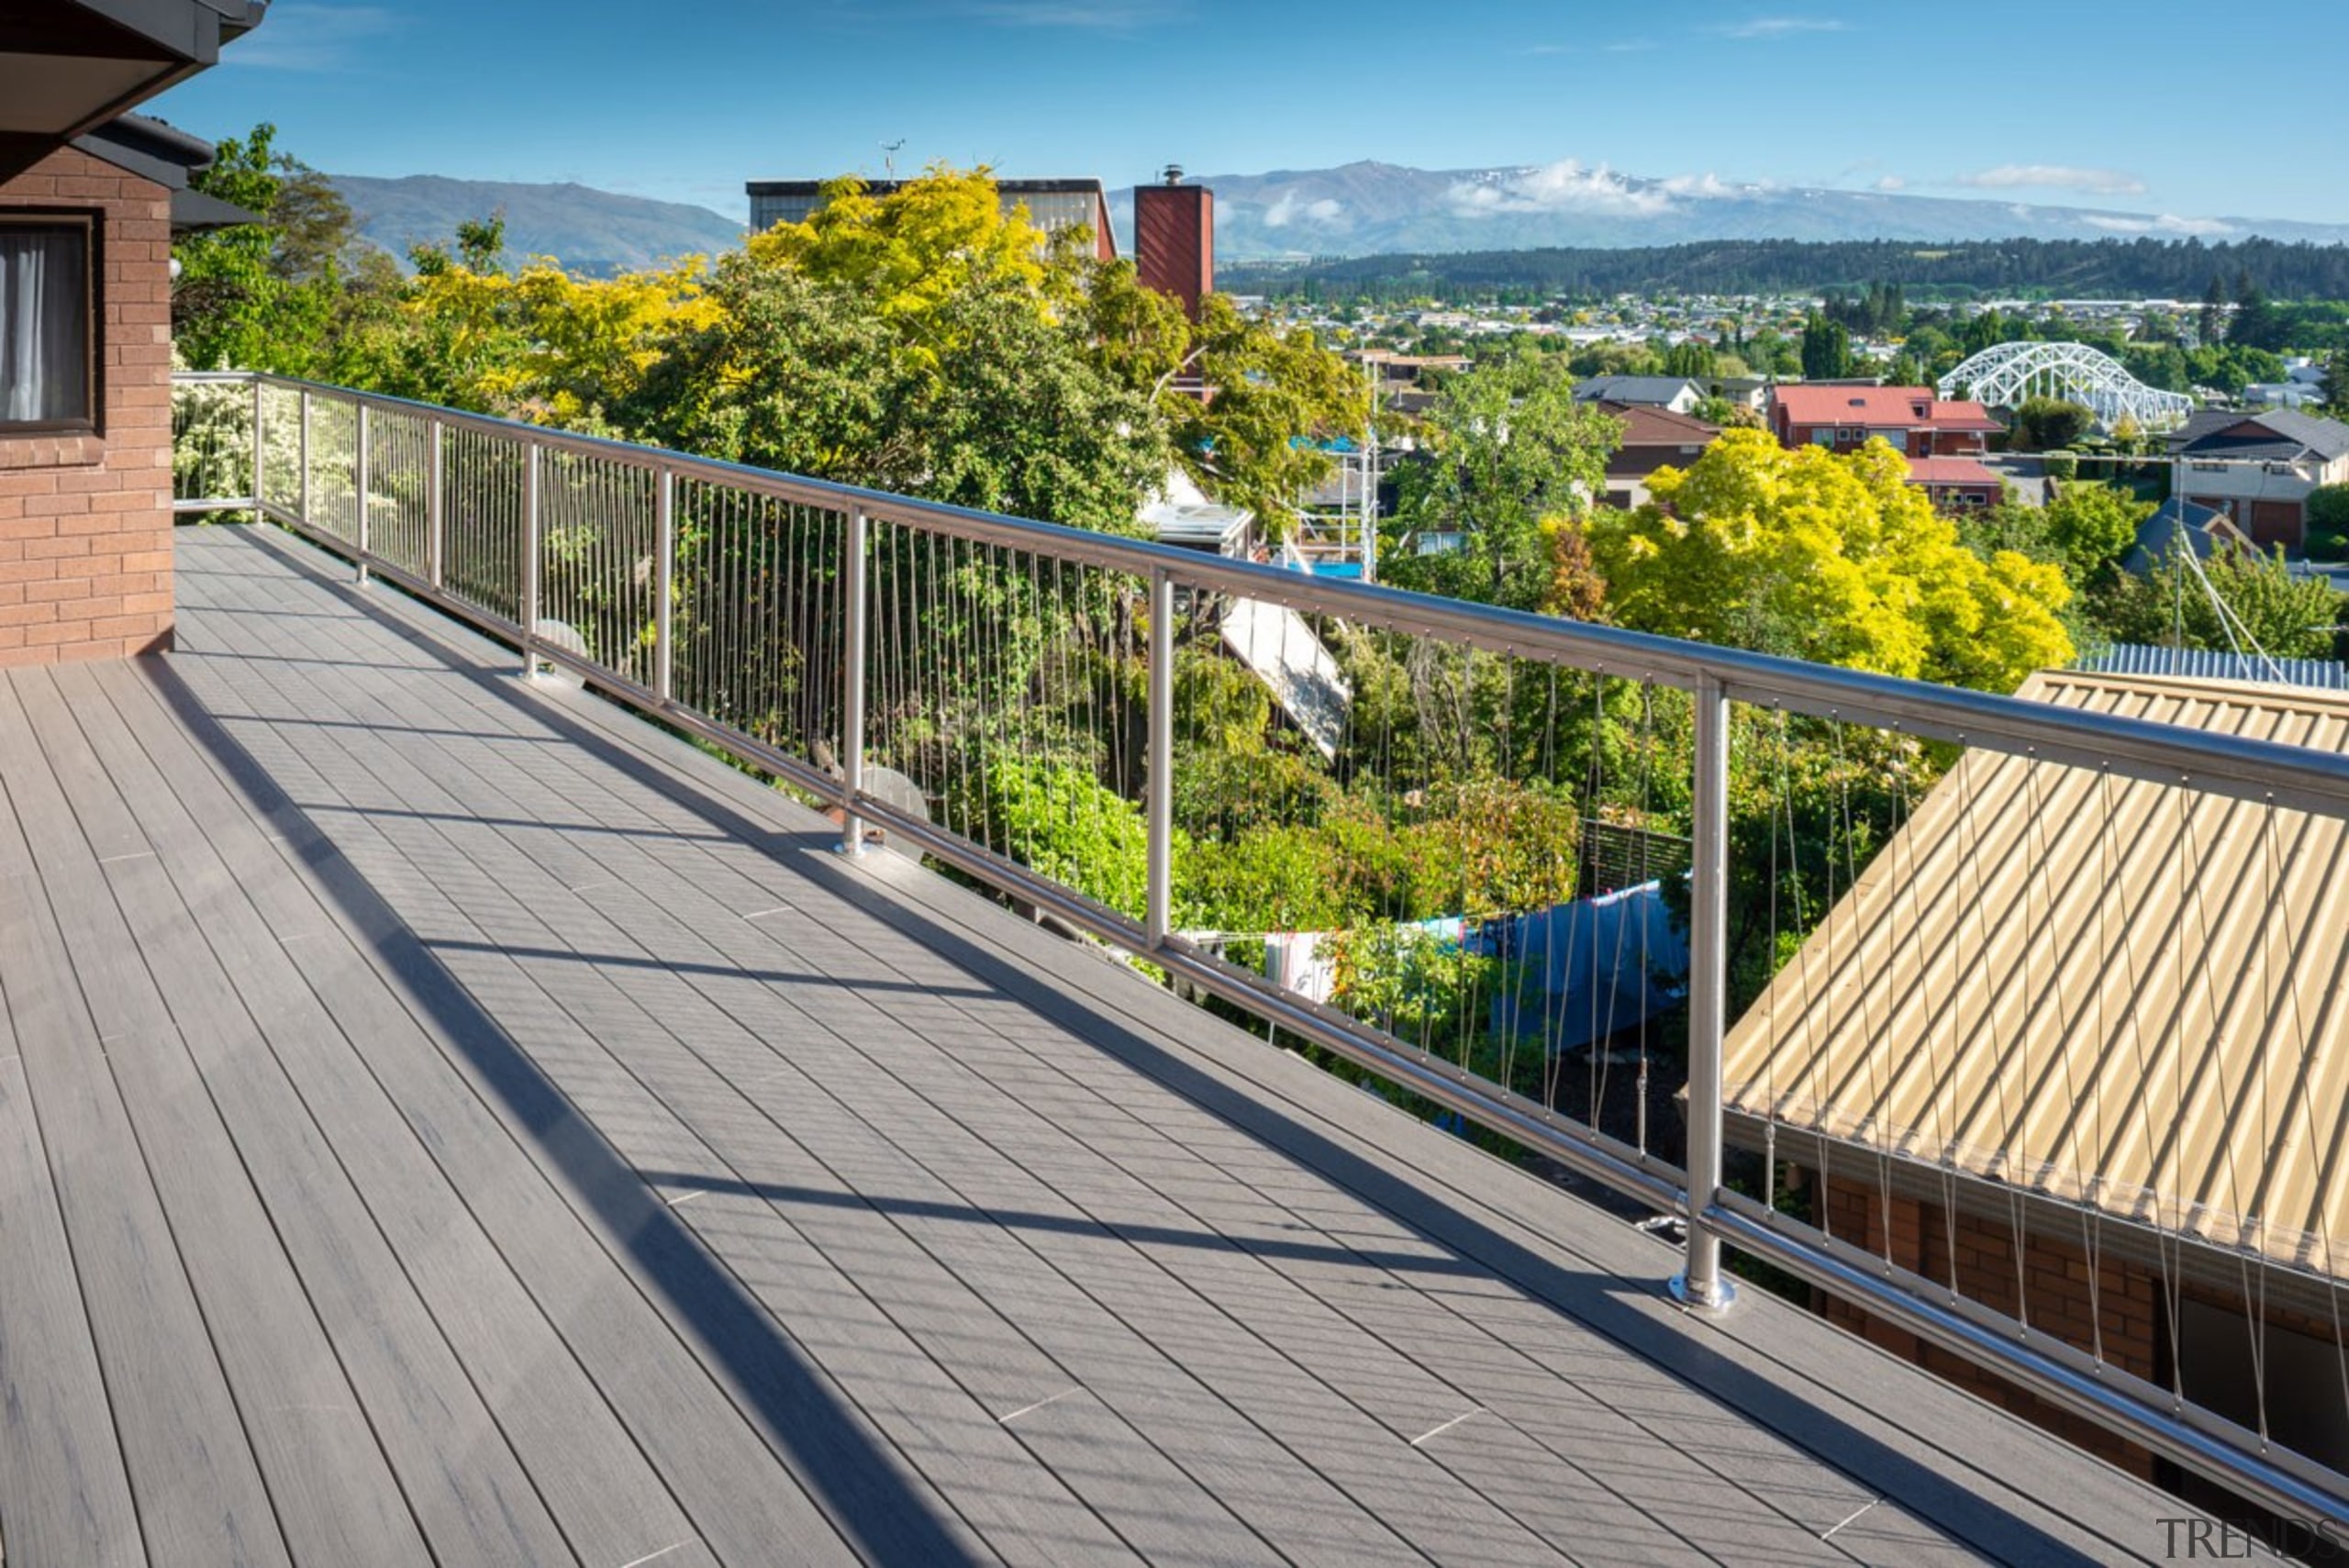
{"points": [[1593, 967]]}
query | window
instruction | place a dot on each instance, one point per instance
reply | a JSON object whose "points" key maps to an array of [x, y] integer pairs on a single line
{"points": [[48, 360]]}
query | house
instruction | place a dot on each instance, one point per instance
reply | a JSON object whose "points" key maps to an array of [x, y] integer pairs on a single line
{"points": [[2303, 386], [2259, 468], [1652, 439], [1752, 391], [89, 196], [1677, 393], [1052, 204], [2204, 530], [1911, 420], [1956, 483], [2002, 1063]]}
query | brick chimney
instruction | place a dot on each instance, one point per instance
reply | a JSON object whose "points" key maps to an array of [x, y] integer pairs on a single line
{"points": [[1174, 238]]}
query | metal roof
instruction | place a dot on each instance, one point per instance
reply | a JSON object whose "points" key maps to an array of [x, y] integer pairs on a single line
{"points": [[2116, 994], [2201, 664], [2283, 434]]}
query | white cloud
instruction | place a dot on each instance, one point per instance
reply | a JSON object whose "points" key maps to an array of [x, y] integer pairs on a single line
{"points": [[1289, 209], [312, 37], [1892, 183], [2166, 223], [1628, 46], [1564, 186], [1780, 27], [1702, 186], [2053, 177]]}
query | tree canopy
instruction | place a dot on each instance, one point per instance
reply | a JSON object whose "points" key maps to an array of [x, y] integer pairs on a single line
{"points": [[1827, 557], [1508, 448]]}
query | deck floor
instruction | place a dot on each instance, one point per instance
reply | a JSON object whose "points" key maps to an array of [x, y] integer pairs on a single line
{"points": [[446, 1120]]}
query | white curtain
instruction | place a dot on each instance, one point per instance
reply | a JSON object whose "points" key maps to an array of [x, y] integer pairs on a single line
{"points": [[44, 364]]}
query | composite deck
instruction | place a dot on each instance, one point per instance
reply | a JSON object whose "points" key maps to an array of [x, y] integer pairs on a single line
{"points": [[445, 1120]]}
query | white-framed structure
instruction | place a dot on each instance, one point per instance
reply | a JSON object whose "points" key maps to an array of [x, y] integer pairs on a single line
{"points": [[2007, 374]]}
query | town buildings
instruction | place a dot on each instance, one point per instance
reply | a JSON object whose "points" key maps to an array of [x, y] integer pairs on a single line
{"points": [[1652, 439], [1677, 393], [2259, 468], [1942, 439], [1911, 419]]}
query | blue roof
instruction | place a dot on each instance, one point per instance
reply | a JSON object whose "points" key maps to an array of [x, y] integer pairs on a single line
{"points": [[2201, 664]]}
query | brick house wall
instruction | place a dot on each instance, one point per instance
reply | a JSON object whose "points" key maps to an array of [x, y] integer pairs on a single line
{"points": [[2049, 1291], [85, 520]]}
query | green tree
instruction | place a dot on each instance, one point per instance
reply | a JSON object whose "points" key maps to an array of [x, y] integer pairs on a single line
{"points": [[1836, 559], [2328, 513], [2256, 324], [1004, 409], [2210, 324], [1507, 447], [1274, 395], [2047, 424], [2285, 615], [1690, 358], [297, 292], [2094, 525], [2336, 383], [1826, 349]]}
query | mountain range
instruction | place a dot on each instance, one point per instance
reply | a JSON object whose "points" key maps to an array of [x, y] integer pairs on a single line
{"points": [[588, 230], [1363, 208], [1382, 208]]}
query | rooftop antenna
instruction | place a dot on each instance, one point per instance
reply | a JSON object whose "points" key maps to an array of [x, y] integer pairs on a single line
{"points": [[889, 157]]}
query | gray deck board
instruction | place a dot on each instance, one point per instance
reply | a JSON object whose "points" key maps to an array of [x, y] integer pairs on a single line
{"points": [[431, 1323], [1436, 1512], [623, 1178], [192, 1090], [61, 1463], [78, 992], [1379, 1381]]}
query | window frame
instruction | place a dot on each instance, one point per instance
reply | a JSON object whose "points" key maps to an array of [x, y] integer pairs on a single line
{"points": [[91, 226]]}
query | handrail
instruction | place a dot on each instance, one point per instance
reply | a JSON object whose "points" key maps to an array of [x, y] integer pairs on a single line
{"points": [[2274, 774], [2163, 753]]}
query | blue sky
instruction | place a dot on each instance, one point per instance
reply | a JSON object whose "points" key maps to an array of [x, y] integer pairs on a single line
{"points": [[2179, 109]]}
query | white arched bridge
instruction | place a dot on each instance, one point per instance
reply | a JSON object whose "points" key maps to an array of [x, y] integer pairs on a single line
{"points": [[2007, 373]]}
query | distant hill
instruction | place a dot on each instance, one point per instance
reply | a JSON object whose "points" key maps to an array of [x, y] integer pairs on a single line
{"points": [[2141, 268], [590, 231], [1366, 208]]}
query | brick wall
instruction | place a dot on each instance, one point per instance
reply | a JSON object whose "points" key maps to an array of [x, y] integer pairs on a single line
{"points": [[85, 521], [2049, 1290]]}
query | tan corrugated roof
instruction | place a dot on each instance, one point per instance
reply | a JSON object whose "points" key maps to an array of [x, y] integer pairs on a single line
{"points": [[2118, 993]]}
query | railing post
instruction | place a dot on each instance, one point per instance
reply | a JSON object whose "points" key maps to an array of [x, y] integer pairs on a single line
{"points": [[260, 461], [1161, 767], [302, 456], [436, 522], [530, 551], [853, 637], [664, 587], [1701, 1285], [359, 483]]}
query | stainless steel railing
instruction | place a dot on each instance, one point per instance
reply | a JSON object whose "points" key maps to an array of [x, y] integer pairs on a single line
{"points": [[930, 670]]}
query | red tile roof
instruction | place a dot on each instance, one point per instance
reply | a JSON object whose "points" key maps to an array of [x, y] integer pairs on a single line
{"points": [[1648, 426], [1950, 471], [1882, 407]]}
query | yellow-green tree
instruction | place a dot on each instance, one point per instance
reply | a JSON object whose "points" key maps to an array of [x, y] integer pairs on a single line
{"points": [[1832, 557], [540, 343], [907, 253]]}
